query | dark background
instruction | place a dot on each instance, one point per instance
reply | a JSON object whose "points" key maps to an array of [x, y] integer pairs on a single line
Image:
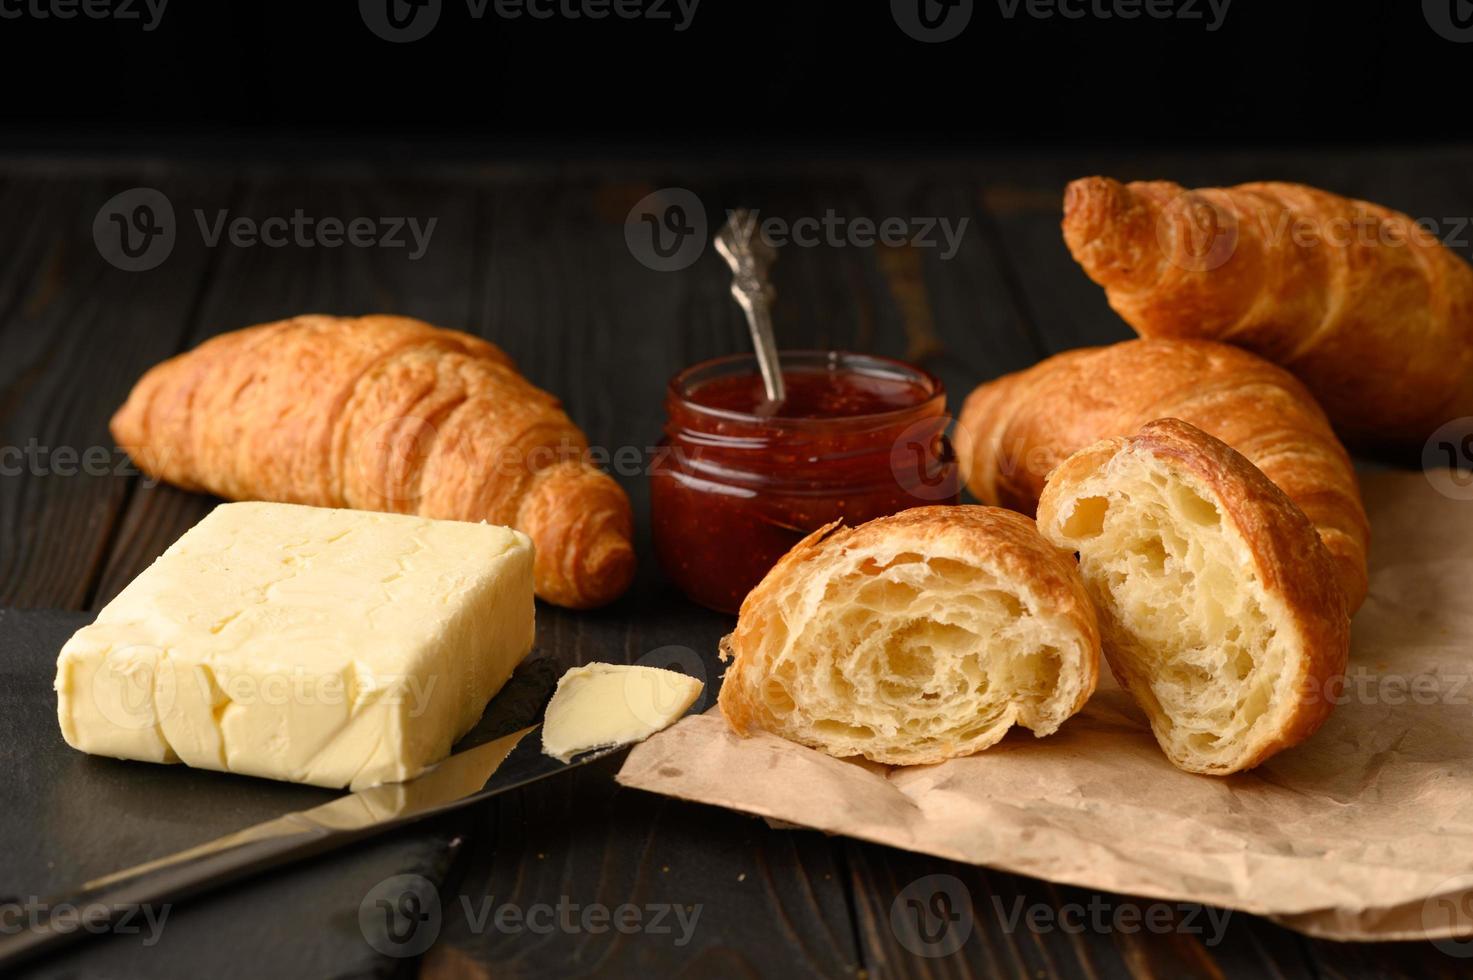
{"points": [[744, 78]]}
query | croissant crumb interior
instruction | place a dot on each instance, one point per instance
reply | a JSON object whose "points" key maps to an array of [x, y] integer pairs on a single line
{"points": [[918, 649], [1186, 619]]}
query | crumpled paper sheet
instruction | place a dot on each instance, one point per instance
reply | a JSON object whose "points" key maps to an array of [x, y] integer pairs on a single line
{"points": [[1363, 832]]}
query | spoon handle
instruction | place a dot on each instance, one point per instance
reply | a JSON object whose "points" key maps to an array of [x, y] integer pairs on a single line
{"points": [[759, 320], [750, 258]]}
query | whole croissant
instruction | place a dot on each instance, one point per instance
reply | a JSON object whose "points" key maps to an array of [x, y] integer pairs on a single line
{"points": [[385, 413], [1361, 303], [1013, 431]]}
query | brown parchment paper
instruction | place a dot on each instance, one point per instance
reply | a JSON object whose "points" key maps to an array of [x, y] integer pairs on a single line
{"points": [[1363, 832]]}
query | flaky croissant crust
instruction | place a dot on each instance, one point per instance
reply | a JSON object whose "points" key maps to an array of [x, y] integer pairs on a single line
{"points": [[385, 413], [1014, 430], [1359, 301]]}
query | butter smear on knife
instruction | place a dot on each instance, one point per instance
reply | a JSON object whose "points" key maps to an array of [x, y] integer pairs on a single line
{"points": [[601, 705]]}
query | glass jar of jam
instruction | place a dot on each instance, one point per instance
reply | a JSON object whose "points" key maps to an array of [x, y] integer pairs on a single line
{"points": [[740, 480]]}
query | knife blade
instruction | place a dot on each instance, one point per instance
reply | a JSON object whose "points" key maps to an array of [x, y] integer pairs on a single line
{"points": [[462, 779]]}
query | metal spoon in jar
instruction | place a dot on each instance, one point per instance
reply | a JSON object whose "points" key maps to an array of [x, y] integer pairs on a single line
{"points": [[750, 258]]}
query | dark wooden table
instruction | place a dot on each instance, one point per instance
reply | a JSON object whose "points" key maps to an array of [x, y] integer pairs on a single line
{"points": [[533, 255]]}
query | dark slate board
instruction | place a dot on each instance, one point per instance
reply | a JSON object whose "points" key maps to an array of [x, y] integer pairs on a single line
{"points": [[68, 817]]}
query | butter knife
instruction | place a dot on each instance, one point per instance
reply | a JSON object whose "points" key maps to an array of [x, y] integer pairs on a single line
{"points": [[466, 777]]}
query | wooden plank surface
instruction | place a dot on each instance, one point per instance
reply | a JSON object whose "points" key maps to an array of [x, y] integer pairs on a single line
{"points": [[609, 331], [258, 283], [76, 333], [536, 260]]}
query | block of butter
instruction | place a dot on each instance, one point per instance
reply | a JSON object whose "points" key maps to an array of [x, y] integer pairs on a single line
{"points": [[324, 646], [600, 705]]}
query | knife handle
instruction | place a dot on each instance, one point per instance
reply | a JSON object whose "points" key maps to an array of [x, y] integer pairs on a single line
{"points": [[103, 906], [513, 760]]}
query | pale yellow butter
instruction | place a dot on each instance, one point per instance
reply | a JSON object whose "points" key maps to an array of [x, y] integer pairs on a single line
{"points": [[333, 647], [600, 705]]}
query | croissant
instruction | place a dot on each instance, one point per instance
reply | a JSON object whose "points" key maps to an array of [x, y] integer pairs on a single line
{"points": [[914, 638], [1218, 603], [1364, 305], [385, 413], [1014, 430]]}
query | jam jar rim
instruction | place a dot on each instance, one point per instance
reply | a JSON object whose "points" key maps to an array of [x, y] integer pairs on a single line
{"points": [[678, 389]]}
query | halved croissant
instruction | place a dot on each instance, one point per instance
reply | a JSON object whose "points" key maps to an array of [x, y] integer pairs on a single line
{"points": [[1218, 603], [913, 638], [1014, 430], [385, 413], [1369, 309]]}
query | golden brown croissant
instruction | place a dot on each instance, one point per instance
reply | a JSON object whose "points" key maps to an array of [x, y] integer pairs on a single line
{"points": [[1219, 605], [1361, 303], [1016, 429], [385, 413]]}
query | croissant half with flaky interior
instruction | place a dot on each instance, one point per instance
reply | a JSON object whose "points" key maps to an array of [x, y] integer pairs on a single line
{"points": [[1013, 431], [914, 638], [1362, 303], [385, 413], [1218, 603]]}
